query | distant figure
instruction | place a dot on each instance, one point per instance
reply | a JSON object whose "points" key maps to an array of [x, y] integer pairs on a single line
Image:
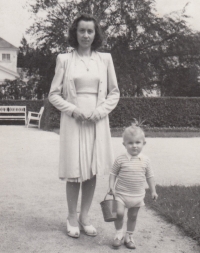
{"points": [[88, 82], [132, 170]]}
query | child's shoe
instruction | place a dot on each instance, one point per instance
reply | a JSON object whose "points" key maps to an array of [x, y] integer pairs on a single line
{"points": [[129, 242], [118, 239]]}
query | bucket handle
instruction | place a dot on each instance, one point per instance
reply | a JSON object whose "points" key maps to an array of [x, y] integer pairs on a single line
{"points": [[109, 194]]}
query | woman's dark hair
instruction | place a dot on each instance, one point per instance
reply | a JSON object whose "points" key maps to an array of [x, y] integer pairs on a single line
{"points": [[72, 37]]}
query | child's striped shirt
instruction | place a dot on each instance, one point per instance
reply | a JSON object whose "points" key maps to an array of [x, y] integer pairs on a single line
{"points": [[131, 172]]}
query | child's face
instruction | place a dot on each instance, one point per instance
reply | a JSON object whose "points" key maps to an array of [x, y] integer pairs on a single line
{"points": [[134, 144]]}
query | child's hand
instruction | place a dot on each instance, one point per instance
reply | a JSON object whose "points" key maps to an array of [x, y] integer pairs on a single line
{"points": [[110, 191], [154, 196]]}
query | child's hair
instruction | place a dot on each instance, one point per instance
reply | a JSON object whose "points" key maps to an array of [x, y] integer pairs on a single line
{"points": [[133, 130]]}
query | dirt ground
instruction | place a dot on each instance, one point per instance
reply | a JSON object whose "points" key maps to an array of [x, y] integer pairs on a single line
{"points": [[33, 206]]}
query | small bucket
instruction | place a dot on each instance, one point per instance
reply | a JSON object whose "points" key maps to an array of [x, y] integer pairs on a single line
{"points": [[109, 209]]}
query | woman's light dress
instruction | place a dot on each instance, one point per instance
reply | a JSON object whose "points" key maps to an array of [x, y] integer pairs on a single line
{"points": [[63, 96], [86, 80]]}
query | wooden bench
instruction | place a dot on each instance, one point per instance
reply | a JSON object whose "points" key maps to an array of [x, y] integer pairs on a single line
{"points": [[9, 112]]}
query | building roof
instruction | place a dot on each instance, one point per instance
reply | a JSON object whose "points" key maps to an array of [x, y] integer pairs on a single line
{"points": [[6, 44], [9, 71]]}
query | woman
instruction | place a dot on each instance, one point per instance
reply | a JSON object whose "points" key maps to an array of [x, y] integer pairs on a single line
{"points": [[87, 81]]}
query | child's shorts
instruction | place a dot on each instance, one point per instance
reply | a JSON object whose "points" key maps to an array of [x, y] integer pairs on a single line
{"points": [[130, 201]]}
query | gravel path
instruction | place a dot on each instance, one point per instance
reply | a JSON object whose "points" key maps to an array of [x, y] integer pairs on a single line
{"points": [[33, 204]]}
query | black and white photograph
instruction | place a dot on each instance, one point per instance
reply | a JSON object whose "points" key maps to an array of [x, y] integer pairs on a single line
{"points": [[99, 126]]}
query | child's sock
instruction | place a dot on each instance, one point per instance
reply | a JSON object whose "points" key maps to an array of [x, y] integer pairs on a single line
{"points": [[129, 236], [119, 234]]}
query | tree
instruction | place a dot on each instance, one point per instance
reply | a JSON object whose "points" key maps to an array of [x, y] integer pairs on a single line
{"points": [[144, 46], [39, 63]]}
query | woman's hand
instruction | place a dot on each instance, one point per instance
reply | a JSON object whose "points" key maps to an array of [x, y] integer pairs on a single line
{"points": [[79, 114], [95, 116]]}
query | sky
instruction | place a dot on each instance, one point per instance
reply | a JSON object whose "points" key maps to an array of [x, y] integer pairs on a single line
{"points": [[15, 18]]}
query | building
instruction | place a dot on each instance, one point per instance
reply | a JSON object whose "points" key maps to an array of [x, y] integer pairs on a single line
{"points": [[8, 61]]}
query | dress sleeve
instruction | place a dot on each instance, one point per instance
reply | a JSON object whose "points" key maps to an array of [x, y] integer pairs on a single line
{"points": [[116, 167], [113, 91], [55, 97], [148, 172]]}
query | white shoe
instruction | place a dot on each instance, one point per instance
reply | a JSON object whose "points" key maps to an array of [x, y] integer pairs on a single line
{"points": [[72, 231], [129, 242], [89, 230]]}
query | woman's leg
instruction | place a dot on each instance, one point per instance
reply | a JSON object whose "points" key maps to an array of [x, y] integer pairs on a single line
{"points": [[88, 188], [72, 191], [132, 217]]}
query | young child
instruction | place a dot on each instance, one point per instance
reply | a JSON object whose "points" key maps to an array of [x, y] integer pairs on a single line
{"points": [[127, 181]]}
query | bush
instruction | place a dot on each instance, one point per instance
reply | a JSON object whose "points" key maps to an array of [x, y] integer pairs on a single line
{"points": [[51, 116], [31, 105], [157, 112]]}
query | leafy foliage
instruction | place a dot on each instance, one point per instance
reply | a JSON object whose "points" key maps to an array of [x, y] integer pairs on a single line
{"points": [[157, 112], [146, 48], [51, 117], [40, 64], [16, 90]]}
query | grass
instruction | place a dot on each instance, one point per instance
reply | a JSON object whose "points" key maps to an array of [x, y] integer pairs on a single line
{"points": [[180, 206], [158, 132]]}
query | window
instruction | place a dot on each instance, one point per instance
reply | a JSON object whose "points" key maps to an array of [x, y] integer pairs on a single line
{"points": [[5, 57]]}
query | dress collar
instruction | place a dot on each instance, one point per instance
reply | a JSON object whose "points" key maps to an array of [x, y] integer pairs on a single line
{"points": [[130, 156], [91, 57]]}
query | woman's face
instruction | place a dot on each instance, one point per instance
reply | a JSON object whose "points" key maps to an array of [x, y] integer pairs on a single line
{"points": [[85, 33]]}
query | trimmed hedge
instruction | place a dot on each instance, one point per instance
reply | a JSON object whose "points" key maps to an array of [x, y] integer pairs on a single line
{"points": [[51, 116], [157, 112], [31, 105]]}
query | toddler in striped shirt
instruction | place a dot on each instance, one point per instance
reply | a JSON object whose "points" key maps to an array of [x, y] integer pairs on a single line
{"points": [[127, 181]]}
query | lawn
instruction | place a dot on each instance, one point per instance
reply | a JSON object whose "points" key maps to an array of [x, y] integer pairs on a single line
{"points": [[179, 205]]}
